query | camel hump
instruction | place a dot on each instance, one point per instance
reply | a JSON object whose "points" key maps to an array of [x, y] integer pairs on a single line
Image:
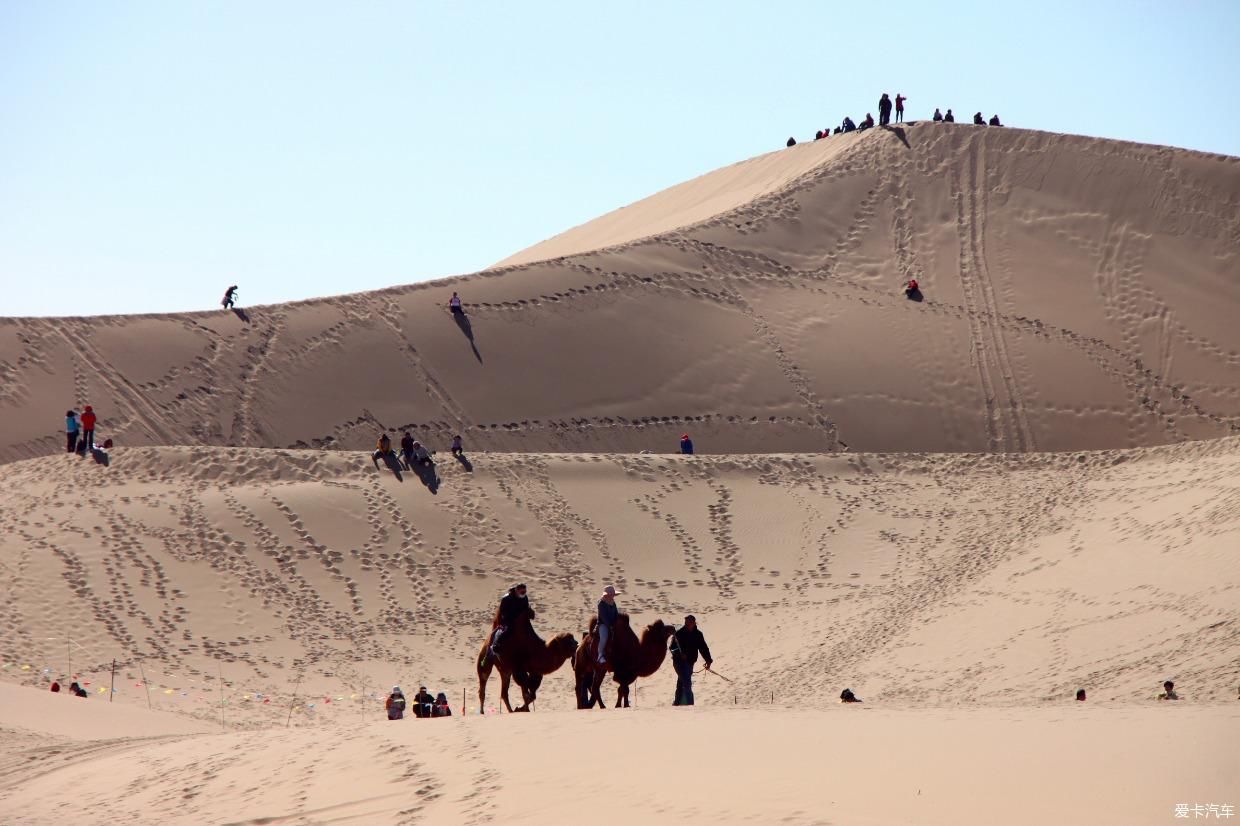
{"points": [[593, 623]]}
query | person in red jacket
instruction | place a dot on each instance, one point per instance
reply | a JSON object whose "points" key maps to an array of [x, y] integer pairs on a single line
{"points": [[88, 427]]}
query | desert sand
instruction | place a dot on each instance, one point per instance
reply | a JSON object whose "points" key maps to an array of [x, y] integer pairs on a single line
{"points": [[963, 508]]}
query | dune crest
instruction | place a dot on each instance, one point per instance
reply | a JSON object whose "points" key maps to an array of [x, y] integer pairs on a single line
{"points": [[1079, 294]]}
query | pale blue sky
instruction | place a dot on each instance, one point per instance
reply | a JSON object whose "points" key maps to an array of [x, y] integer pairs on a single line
{"points": [[153, 153]]}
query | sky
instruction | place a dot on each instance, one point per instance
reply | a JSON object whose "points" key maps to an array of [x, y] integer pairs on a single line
{"points": [[153, 153]]}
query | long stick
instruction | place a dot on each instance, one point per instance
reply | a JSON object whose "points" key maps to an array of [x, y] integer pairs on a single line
{"points": [[221, 695], [112, 691], [294, 702], [145, 684], [69, 656]]}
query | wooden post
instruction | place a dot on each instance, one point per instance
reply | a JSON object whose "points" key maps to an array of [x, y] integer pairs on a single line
{"points": [[289, 722], [145, 684], [112, 690], [221, 667], [463, 690]]}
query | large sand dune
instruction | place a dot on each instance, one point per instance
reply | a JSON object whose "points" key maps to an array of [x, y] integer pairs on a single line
{"points": [[1080, 294], [1040, 492]]}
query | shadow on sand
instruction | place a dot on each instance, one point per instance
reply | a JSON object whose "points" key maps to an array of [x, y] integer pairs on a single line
{"points": [[241, 314], [898, 131], [914, 295], [100, 456], [427, 475], [465, 463], [389, 459], [462, 321]]}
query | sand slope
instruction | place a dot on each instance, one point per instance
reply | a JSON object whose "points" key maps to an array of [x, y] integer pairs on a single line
{"points": [[1080, 294]]}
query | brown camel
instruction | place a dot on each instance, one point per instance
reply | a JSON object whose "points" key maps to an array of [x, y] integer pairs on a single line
{"points": [[629, 659], [524, 657]]}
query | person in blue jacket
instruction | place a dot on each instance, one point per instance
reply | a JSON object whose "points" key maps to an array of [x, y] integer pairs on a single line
{"points": [[686, 444]]}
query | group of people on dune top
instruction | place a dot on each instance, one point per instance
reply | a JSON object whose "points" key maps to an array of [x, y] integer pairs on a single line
{"points": [[685, 646], [80, 432], [413, 454], [886, 106]]}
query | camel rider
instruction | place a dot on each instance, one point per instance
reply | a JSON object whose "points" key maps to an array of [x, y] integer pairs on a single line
{"points": [[513, 605], [608, 613]]}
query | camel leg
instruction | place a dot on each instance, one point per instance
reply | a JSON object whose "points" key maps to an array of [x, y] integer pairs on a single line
{"points": [[505, 678], [484, 674], [596, 690]]}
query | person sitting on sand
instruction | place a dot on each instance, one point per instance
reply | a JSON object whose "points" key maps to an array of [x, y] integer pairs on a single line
{"points": [[230, 297], [791, 142], [454, 304], [938, 116], [848, 124], [421, 455], [1168, 692], [1080, 695], [949, 117], [911, 287], [994, 120], [847, 696], [395, 704], [55, 687], [868, 123], [383, 449], [441, 708], [76, 690], [978, 120], [686, 444], [458, 449], [423, 703], [608, 613], [513, 605], [406, 449]]}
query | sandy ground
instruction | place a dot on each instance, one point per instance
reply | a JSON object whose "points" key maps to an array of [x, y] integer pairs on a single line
{"points": [[1079, 294], [963, 508]]}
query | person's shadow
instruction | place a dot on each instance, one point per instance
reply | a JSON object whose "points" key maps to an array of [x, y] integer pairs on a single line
{"points": [[241, 314], [100, 456], [393, 464], [426, 475], [914, 294], [462, 321], [899, 133], [465, 463]]}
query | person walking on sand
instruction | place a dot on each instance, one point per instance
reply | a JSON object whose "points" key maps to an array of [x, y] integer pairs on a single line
{"points": [[71, 431], [88, 427], [454, 304], [230, 297], [685, 646], [608, 613], [900, 107], [884, 110], [686, 444]]}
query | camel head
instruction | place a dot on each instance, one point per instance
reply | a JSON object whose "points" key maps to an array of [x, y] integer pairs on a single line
{"points": [[659, 630], [564, 645]]}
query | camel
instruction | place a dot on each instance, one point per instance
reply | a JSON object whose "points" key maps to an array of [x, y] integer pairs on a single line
{"points": [[523, 657], [630, 658]]}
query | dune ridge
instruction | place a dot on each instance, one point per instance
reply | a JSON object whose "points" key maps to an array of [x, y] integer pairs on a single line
{"points": [[1079, 295]]}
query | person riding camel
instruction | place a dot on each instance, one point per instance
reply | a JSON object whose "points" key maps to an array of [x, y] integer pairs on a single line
{"points": [[511, 607], [608, 613]]}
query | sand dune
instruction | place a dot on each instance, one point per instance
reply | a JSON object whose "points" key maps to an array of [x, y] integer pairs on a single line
{"points": [[963, 508], [1080, 294]]}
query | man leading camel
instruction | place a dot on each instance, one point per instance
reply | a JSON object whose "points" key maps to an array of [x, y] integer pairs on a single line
{"points": [[608, 613], [686, 644], [513, 605]]}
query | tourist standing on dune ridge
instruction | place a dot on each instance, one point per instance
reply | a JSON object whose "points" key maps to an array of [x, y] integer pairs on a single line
{"points": [[686, 444], [71, 431], [900, 107], [88, 427], [230, 297], [884, 110]]}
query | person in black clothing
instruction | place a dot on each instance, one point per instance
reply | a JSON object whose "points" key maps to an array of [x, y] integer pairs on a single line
{"points": [[868, 123], [406, 450], [994, 120], [938, 116], [513, 605], [686, 644], [884, 110], [230, 297], [978, 120], [848, 124], [847, 696], [949, 117], [423, 703], [792, 142]]}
